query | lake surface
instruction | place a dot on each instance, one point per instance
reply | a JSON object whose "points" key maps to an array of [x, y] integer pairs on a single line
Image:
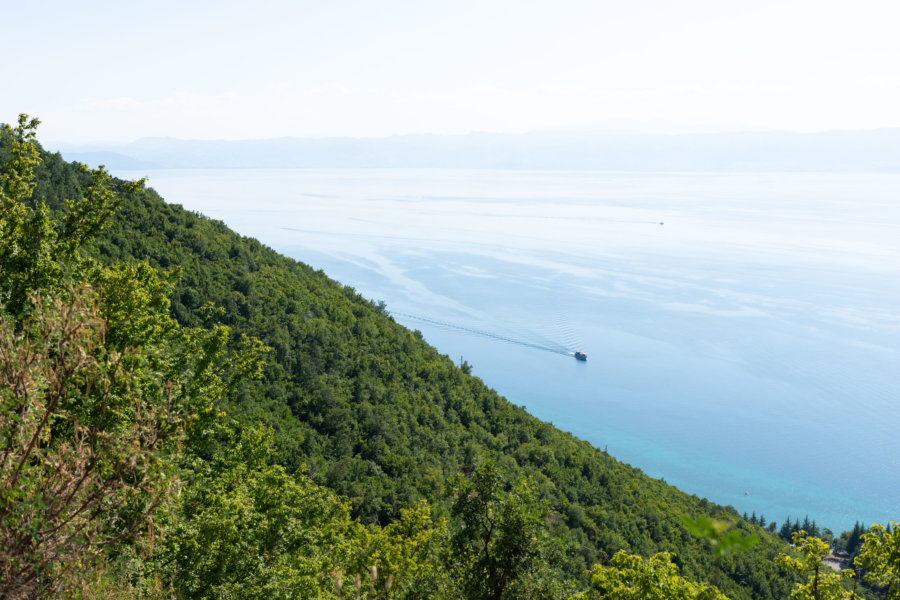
{"points": [[742, 330]]}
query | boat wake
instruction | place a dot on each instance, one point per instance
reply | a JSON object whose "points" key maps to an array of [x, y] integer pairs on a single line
{"points": [[545, 345]]}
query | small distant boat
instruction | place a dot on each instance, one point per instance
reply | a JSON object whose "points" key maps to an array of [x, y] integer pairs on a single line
{"points": [[579, 355]]}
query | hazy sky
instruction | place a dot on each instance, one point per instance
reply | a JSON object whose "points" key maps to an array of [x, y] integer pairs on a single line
{"points": [[120, 70]]}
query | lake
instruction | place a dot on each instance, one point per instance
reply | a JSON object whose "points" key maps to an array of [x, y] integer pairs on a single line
{"points": [[742, 330]]}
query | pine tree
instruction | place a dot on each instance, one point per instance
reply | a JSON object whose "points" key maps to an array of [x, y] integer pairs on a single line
{"points": [[854, 540], [786, 530]]}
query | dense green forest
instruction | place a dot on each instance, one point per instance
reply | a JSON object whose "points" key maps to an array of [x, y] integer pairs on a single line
{"points": [[347, 444]]}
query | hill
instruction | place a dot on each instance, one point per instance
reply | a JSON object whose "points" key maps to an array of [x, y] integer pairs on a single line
{"points": [[833, 151], [368, 409]]}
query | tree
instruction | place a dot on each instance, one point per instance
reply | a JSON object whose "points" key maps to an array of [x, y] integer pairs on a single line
{"points": [[855, 539], [498, 547], [786, 530], [630, 577], [821, 582], [98, 385], [245, 529], [879, 555], [39, 254]]}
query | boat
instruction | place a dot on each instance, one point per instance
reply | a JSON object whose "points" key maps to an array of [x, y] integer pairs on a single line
{"points": [[579, 355]]}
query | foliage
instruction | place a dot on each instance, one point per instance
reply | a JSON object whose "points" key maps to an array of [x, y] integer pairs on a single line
{"points": [[99, 386], [80, 462], [850, 541], [822, 583], [364, 407], [722, 535], [498, 548], [788, 529], [630, 577], [40, 254], [404, 559], [880, 557], [245, 529]]}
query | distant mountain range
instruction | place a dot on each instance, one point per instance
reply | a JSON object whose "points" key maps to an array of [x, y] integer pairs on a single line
{"points": [[871, 151]]}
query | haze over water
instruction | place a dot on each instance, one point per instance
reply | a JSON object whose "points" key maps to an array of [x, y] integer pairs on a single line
{"points": [[742, 330]]}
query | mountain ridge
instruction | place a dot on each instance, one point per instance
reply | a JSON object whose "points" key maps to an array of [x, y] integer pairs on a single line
{"points": [[876, 150]]}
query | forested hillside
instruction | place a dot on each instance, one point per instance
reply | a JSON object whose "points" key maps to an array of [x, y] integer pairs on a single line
{"points": [[368, 409], [344, 399]]}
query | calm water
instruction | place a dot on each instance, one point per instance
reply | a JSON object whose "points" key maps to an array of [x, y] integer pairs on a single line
{"points": [[742, 330]]}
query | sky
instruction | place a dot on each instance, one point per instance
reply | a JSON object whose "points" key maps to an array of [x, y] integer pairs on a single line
{"points": [[117, 71]]}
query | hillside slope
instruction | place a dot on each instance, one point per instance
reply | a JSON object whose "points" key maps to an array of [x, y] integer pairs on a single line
{"points": [[368, 409]]}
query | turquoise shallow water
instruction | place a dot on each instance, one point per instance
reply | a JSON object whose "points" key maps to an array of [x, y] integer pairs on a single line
{"points": [[743, 330]]}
